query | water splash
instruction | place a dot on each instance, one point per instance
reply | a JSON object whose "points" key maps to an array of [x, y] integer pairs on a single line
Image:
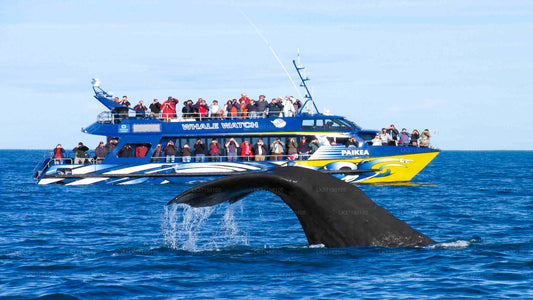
{"points": [[185, 227], [459, 244]]}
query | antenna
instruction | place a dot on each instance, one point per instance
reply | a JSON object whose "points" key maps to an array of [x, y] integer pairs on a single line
{"points": [[308, 97]]}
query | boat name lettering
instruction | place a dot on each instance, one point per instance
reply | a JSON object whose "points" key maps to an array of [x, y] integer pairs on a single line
{"points": [[240, 125], [354, 152], [216, 126], [200, 126]]}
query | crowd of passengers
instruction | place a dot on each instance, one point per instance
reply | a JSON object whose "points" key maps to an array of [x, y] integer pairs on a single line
{"points": [[243, 108], [199, 152], [391, 137], [101, 151], [234, 151]]}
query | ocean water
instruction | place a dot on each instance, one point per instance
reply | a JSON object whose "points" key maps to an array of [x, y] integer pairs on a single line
{"points": [[106, 242]]}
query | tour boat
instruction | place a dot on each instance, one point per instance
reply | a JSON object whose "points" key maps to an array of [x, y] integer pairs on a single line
{"points": [[360, 161]]}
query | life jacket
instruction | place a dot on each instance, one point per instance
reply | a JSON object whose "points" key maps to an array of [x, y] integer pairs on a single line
{"points": [[234, 110]]}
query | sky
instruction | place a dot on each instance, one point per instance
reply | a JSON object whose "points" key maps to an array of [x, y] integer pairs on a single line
{"points": [[462, 69]]}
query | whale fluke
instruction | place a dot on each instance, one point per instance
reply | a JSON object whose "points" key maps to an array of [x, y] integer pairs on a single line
{"points": [[332, 212]]}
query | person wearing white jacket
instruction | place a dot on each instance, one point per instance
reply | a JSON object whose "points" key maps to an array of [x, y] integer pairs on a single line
{"points": [[288, 107]]}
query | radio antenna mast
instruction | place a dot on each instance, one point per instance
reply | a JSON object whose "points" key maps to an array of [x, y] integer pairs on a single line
{"points": [[308, 97]]}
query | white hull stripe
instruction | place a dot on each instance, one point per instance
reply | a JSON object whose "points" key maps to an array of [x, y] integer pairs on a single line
{"points": [[133, 169], [86, 181], [50, 180]]}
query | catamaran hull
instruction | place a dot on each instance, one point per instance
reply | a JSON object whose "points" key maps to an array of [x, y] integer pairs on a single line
{"points": [[398, 168]]}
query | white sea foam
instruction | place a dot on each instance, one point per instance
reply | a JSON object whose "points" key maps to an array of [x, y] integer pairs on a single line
{"points": [[460, 244]]}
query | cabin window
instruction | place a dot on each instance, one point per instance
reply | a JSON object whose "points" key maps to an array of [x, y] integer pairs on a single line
{"points": [[308, 124]]}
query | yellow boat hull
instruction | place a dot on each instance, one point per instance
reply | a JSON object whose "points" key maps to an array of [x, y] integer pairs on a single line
{"points": [[396, 168]]}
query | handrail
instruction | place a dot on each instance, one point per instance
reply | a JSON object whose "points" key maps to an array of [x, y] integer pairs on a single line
{"points": [[224, 158], [113, 117], [70, 160]]}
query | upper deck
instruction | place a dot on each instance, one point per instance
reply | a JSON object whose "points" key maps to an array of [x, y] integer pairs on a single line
{"points": [[131, 122]]}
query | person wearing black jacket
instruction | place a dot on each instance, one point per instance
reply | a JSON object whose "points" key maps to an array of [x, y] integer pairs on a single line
{"points": [[259, 150], [188, 109], [170, 151], [100, 153], [81, 153], [261, 106], [303, 148], [252, 109], [393, 132], [126, 151], [140, 110], [275, 108], [200, 150], [155, 108]]}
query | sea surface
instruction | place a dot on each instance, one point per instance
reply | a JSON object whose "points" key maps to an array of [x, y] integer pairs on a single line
{"points": [[108, 242]]}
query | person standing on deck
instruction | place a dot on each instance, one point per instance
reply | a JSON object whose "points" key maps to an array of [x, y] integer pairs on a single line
{"points": [[261, 107], [314, 145], [259, 150], [81, 153], [278, 148], [214, 150], [59, 154], [246, 150], [424, 139], [414, 138], [200, 150], [292, 148], [303, 148], [403, 138], [232, 146], [215, 112], [186, 152], [393, 132], [169, 108], [170, 151], [100, 153], [158, 153], [155, 108]]}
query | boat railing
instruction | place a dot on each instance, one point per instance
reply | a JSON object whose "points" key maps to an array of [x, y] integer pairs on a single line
{"points": [[111, 117], [71, 160], [229, 158]]}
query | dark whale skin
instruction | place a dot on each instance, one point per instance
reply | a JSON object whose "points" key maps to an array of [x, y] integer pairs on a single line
{"points": [[332, 212]]}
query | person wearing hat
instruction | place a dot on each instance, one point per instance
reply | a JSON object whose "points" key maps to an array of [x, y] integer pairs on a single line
{"points": [[81, 153]]}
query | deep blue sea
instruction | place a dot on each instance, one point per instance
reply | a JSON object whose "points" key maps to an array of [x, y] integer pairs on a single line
{"points": [[107, 242]]}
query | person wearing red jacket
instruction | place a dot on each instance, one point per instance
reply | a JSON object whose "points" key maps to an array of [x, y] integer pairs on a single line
{"points": [[169, 108], [141, 150], [244, 98], [246, 151]]}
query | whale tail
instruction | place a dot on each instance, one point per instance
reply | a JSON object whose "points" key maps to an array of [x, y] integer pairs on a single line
{"points": [[332, 212]]}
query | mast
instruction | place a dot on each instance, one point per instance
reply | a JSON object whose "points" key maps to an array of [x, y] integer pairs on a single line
{"points": [[308, 97]]}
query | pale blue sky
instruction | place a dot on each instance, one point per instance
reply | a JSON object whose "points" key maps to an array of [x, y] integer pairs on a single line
{"points": [[460, 68]]}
